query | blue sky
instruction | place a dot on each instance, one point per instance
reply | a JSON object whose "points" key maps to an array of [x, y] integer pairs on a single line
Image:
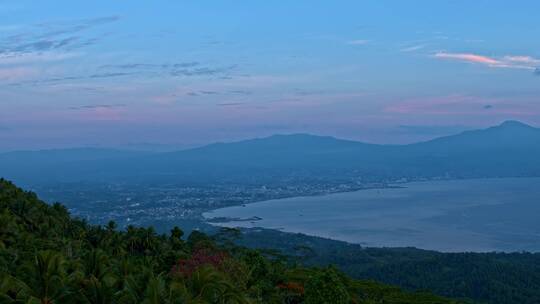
{"points": [[182, 73]]}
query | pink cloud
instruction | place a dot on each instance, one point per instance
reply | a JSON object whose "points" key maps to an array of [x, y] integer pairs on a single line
{"points": [[512, 62], [468, 58]]}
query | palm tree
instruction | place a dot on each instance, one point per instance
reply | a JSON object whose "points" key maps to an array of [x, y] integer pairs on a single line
{"points": [[95, 291], [12, 290], [159, 292], [98, 282], [128, 291], [111, 226], [47, 281], [175, 239], [210, 286]]}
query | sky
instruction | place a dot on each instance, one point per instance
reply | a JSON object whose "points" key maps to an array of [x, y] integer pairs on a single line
{"points": [[186, 73]]}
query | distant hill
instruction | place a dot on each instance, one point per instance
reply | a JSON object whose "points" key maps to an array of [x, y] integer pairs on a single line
{"points": [[59, 164], [509, 149], [66, 155], [509, 134]]}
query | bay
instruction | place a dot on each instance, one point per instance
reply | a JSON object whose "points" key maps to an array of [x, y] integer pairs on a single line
{"points": [[480, 215]]}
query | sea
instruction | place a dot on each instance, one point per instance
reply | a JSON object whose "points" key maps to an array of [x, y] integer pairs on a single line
{"points": [[470, 215]]}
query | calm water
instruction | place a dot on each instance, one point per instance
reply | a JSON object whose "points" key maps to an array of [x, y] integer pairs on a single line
{"points": [[464, 215]]}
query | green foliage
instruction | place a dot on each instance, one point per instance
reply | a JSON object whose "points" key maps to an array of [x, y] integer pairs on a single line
{"points": [[492, 277], [326, 287], [48, 257]]}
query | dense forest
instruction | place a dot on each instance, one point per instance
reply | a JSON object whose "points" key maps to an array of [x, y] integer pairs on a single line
{"points": [[491, 277], [48, 257]]}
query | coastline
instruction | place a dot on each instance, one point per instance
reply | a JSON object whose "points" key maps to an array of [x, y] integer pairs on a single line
{"points": [[421, 232]]}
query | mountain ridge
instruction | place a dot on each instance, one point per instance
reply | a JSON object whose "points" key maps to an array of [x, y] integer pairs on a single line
{"points": [[505, 125], [507, 149]]}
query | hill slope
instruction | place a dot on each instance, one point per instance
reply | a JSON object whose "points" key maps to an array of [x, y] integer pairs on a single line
{"points": [[496, 278]]}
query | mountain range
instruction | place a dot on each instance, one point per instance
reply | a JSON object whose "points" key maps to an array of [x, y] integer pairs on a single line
{"points": [[508, 149]]}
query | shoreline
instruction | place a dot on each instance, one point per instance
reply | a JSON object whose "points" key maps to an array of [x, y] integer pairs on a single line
{"points": [[391, 235], [389, 185]]}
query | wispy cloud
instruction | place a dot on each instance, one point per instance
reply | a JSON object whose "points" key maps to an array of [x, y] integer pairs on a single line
{"points": [[209, 92], [99, 112], [106, 75], [467, 58], [522, 59], [230, 104], [213, 92], [61, 79], [190, 68], [413, 48], [151, 66], [55, 29], [24, 50], [98, 106], [202, 71], [49, 37], [358, 42], [13, 58], [240, 92], [512, 62]]}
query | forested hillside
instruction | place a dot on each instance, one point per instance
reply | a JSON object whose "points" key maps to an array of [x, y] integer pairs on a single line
{"points": [[491, 277], [48, 257]]}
